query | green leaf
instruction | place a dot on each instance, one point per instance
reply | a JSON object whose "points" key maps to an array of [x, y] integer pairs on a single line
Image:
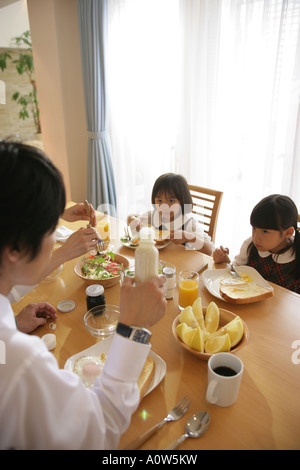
{"points": [[23, 114], [3, 57], [20, 68]]}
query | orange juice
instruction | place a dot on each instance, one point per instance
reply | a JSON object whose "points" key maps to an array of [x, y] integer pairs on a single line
{"points": [[103, 227], [188, 292]]}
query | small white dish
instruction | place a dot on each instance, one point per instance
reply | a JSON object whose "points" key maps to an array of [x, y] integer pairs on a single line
{"points": [[50, 341], [66, 306]]}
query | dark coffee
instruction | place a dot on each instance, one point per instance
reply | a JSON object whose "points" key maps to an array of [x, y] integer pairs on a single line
{"points": [[225, 371]]}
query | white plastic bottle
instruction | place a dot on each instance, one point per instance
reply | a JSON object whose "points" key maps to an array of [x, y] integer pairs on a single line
{"points": [[146, 257]]}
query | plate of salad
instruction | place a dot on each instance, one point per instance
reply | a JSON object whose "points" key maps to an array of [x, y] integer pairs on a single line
{"points": [[102, 269]]}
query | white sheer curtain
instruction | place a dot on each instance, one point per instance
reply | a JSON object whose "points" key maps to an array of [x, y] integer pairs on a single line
{"points": [[209, 89], [143, 74]]}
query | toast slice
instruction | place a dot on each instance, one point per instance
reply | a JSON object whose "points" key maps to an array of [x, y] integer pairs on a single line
{"points": [[241, 291], [146, 376]]}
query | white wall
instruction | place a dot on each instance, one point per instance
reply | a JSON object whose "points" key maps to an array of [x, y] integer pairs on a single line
{"points": [[13, 21]]}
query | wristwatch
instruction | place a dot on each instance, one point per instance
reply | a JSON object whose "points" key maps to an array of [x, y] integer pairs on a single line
{"points": [[134, 333]]}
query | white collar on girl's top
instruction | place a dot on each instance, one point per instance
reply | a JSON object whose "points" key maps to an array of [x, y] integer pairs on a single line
{"points": [[286, 257]]}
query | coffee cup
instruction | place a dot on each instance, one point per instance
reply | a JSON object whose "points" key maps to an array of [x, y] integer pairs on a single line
{"points": [[225, 372]]}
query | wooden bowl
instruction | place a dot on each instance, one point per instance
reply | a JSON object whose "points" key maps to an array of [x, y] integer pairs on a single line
{"points": [[104, 282], [225, 317]]}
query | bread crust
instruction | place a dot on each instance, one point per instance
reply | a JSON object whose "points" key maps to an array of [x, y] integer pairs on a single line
{"points": [[146, 376], [248, 295]]}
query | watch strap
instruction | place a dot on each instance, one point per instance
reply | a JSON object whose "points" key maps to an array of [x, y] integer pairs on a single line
{"points": [[134, 333]]}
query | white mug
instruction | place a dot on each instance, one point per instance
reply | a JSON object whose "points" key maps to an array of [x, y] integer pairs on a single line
{"points": [[224, 377]]}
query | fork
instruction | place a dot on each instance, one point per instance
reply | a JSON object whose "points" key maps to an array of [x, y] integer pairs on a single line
{"points": [[100, 247], [234, 272], [127, 236], [176, 413]]}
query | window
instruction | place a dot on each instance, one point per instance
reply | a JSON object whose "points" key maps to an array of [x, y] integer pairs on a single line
{"points": [[209, 90]]}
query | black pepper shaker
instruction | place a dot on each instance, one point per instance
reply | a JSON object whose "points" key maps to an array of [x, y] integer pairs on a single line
{"points": [[94, 296]]}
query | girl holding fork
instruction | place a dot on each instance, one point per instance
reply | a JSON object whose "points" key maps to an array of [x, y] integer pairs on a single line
{"points": [[172, 203], [274, 248]]}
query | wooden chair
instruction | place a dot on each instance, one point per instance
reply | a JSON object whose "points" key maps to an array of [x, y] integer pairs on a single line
{"points": [[206, 207], [298, 224]]}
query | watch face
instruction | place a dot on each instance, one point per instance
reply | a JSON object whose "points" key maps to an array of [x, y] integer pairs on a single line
{"points": [[141, 336]]}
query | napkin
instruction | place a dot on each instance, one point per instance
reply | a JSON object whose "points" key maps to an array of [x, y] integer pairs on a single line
{"points": [[63, 233]]}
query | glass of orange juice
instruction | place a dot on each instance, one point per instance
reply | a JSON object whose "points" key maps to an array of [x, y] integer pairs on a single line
{"points": [[103, 227], [188, 284]]}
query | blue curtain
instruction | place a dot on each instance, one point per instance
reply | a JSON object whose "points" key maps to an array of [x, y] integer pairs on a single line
{"points": [[92, 15]]}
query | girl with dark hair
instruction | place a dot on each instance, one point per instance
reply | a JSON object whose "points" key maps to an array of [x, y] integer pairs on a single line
{"points": [[172, 203], [274, 248]]}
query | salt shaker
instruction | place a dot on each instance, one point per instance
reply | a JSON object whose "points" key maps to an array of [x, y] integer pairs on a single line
{"points": [[169, 271]]}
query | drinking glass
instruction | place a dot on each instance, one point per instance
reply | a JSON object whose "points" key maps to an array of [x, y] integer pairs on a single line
{"points": [[188, 283]]}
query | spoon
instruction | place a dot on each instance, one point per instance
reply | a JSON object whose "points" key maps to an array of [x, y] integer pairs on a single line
{"points": [[195, 427]]}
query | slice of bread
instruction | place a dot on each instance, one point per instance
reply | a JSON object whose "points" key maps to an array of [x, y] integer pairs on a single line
{"points": [[146, 376], [244, 293]]}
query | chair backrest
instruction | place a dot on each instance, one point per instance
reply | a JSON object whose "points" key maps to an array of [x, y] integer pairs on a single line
{"points": [[298, 224], [206, 207]]}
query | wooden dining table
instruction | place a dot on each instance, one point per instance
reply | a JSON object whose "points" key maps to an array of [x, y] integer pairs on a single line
{"points": [[266, 414]]}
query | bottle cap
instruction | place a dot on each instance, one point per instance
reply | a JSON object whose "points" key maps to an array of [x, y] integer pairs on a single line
{"points": [[94, 290], [49, 340], [169, 272], [66, 306]]}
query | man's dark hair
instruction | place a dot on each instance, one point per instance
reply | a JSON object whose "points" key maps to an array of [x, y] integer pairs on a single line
{"points": [[32, 197]]}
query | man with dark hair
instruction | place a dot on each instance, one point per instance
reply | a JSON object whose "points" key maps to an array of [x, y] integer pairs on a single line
{"points": [[41, 406]]}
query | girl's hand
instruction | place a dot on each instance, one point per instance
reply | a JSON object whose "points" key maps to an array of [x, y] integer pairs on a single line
{"points": [[220, 255], [134, 223]]}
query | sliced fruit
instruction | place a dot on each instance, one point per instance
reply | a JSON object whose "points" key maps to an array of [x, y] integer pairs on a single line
{"points": [[185, 332], [187, 316], [217, 344], [197, 340], [235, 329], [212, 318], [197, 310]]}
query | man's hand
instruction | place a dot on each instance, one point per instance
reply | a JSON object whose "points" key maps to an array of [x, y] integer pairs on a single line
{"points": [[34, 315], [78, 212], [143, 305]]}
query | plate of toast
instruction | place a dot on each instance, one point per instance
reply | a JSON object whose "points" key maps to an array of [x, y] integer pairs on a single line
{"points": [[248, 288]]}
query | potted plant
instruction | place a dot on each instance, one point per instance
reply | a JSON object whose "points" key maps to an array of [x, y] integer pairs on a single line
{"points": [[24, 65]]}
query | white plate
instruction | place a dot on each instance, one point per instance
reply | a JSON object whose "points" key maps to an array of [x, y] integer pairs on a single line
{"points": [[103, 347], [211, 279], [133, 247]]}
